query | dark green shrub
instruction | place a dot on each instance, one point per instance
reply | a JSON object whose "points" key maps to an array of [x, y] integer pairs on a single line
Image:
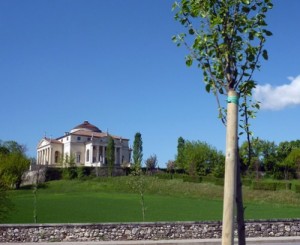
{"points": [[247, 182], [69, 173], [178, 176], [164, 176], [194, 179], [266, 186], [219, 181], [283, 185], [297, 188], [209, 179], [80, 172], [53, 174]]}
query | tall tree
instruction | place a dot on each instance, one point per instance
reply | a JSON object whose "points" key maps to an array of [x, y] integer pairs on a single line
{"points": [[110, 154], [137, 154], [226, 39], [180, 148]]}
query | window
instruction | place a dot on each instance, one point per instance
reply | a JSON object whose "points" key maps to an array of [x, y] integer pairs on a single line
{"points": [[78, 157], [87, 155], [78, 138], [56, 156]]}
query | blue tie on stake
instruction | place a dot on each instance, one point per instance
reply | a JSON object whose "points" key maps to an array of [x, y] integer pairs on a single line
{"points": [[233, 99]]}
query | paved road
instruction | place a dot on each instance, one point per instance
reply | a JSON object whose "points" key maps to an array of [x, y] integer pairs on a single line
{"points": [[252, 241]]}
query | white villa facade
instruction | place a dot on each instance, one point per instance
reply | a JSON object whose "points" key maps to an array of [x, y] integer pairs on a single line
{"points": [[86, 144]]}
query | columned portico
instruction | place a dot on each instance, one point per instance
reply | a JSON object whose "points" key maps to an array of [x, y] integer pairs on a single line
{"points": [[86, 144]]}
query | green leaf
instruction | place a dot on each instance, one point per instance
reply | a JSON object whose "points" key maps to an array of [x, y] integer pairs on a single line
{"points": [[268, 33], [246, 2], [265, 54], [189, 61], [207, 87], [191, 31]]}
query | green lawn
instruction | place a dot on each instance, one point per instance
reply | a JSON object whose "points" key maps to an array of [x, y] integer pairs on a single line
{"points": [[111, 200]]}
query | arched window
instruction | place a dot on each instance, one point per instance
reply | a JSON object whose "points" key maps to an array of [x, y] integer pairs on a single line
{"points": [[87, 155], [56, 156]]}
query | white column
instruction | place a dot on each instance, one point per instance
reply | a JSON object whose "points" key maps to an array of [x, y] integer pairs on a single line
{"points": [[50, 156], [43, 157], [91, 153]]}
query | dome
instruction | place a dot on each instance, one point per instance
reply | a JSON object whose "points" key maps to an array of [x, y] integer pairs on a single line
{"points": [[86, 126]]}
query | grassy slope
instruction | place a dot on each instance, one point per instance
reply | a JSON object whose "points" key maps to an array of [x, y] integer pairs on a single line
{"points": [[112, 200]]}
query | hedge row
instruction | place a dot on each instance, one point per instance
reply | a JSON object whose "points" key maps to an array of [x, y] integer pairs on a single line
{"points": [[297, 188], [170, 176], [271, 186], [194, 179]]}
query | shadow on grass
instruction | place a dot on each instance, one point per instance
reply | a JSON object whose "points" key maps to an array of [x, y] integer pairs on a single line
{"points": [[29, 187]]}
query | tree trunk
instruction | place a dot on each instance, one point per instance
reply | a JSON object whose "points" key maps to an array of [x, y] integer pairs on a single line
{"points": [[230, 169], [240, 206]]}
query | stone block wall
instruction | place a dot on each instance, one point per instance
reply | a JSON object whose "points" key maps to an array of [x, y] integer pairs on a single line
{"points": [[140, 231]]}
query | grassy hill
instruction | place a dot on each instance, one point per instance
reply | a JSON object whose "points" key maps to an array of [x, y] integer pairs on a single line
{"points": [[114, 200]]}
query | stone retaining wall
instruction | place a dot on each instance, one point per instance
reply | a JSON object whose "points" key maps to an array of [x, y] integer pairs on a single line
{"points": [[140, 231]]}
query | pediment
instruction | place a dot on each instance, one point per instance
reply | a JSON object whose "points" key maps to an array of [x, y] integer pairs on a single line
{"points": [[43, 142]]}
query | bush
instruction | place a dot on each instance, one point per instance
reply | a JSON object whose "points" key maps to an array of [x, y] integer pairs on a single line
{"points": [[209, 179], [246, 182], [283, 185], [219, 181], [53, 174], [164, 176], [71, 173], [178, 176], [297, 188], [194, 179], [266, 186]]}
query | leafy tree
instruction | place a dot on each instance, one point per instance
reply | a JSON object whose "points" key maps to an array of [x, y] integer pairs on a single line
{"points": [[263, 156], [13, 164], [151, 162], [12, 168], [291, 163], [199, 158], [14, 147], [226, 39], [137, 150], [6, 205], [110, 154], [285, 148], [180, 148]]}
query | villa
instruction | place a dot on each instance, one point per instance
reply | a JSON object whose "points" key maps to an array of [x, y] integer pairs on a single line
{"points": [[87, 145]]}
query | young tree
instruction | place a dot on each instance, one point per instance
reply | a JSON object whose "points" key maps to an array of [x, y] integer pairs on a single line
{"points": [[151, 162], [226, 39], [137, 150], [170, 166], [110, 154]]}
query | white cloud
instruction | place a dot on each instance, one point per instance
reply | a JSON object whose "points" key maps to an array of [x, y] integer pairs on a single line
{"points": [[278, 97]]}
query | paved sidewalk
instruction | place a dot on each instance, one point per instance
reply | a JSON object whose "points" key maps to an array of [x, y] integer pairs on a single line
{"points": [[252, 241]]}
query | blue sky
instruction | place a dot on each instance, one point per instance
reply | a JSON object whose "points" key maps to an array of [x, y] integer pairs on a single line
{"points": [[113, 63]]}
